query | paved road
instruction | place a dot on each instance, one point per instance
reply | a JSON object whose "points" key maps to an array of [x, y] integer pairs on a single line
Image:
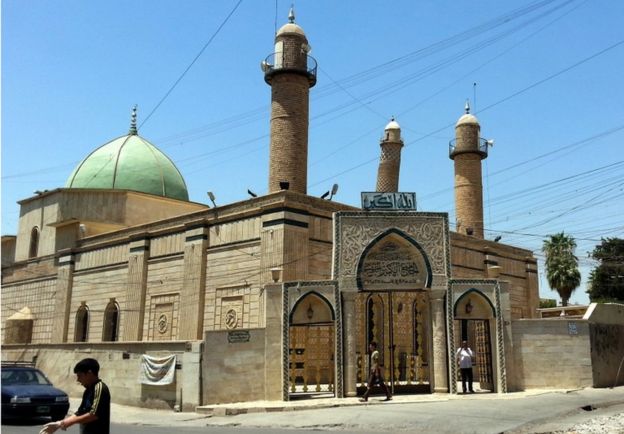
{"points": [[513, 413], [469, 414], [134, 429]]}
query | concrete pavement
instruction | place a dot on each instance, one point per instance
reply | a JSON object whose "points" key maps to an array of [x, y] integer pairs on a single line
{"points": [[530, 408]]}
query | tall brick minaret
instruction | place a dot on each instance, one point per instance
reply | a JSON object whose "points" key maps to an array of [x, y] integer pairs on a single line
{"points": [[390, 159], [291, 73], [467, 150]]}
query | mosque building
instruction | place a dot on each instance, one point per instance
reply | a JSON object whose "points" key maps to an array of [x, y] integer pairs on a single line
{"points": [[275, 296]]}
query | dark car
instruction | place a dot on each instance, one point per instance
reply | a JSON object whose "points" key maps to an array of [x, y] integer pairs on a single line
{"points": [[27, 393]]}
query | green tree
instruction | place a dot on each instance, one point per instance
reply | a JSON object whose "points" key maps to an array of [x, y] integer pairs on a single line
{"points": [[606, 281], [562, 270], [547, 302]]}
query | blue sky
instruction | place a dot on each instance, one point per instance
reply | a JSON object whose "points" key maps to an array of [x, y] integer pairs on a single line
{"points": [[549, 91]]}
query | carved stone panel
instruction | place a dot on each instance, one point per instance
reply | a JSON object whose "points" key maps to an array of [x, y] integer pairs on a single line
{"points": [[231, 313], [391, 263], [354, 231], [163, 324]]}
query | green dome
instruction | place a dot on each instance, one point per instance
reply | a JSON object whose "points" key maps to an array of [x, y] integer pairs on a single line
{"points": [[130, 163]]}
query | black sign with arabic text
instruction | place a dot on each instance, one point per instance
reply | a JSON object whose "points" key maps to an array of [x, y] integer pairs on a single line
{"points": [[238, 336]]}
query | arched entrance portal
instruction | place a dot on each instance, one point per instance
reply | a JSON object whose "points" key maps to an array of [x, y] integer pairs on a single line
{"points": [[399, 323], [474, 320], [392, 309], [311, 347]]}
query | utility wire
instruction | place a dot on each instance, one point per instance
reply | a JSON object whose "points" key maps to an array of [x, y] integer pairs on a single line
{"points": [[507, 98], [191, 64]]}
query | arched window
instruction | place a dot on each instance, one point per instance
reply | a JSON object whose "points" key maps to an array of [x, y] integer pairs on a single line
{"points": [[111, 321], [34, 242], [82, 323]]}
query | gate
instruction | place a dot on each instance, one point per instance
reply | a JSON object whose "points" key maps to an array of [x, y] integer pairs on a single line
{"points": [[398, 322], [484, 355], [311, 348]]}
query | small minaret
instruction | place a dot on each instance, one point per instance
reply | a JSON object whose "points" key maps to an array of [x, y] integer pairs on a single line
{"points": [[390, 159], [467, 150], [290, 72]]}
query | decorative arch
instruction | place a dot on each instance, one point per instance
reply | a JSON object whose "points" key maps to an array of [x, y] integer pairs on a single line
{"points": [[110, 332], [375, 321], [484, 301], [34, 242], [300, 314], [81, 332], [412, 266]]}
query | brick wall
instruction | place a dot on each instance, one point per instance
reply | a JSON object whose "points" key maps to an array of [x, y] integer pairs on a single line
{"points": [[288, 160]]}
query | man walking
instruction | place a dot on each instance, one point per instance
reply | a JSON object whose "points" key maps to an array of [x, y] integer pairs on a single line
{"points": [[375, 376], [94, 412]]}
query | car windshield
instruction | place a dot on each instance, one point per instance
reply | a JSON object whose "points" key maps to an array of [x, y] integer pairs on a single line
{"points": [[23, 376]]}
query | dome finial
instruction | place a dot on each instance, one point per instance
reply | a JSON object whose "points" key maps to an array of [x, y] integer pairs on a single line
{"points": [[467, 107], [133, 123], [291, 14]]}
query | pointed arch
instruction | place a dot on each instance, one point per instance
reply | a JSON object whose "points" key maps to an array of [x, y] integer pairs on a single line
{"points": [[375, 321], [110, 329], [418, 270], [300, 314], [33, 249], [81, 331], [465, 297]]}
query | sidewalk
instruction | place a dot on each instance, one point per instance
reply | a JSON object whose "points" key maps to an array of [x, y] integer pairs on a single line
{"points": [[128, 415], [319, 403]]}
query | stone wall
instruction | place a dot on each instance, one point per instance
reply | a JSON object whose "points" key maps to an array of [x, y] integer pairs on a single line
{"points": [[568, 353], [607, 345], [471, 257], [36, 295], [607, 341], [119, 369], [234, 366], [551, 354], [247, 364]]}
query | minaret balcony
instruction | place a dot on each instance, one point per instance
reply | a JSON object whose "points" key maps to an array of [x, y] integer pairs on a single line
{"points": [[281, 62], [481, 150]]}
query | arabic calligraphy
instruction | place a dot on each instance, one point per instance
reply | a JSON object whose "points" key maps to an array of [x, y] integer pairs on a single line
{"points": [[391, 266], [388, 201]]}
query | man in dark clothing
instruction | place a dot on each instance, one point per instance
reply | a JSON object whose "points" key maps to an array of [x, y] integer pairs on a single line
{"points": [[94, 412]]}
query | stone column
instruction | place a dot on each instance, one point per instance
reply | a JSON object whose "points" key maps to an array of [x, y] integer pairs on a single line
{"points": [[350, 360], [193, 294], [134, 313], [438, 325], [274, 343], [532, 287], [62, 303]]}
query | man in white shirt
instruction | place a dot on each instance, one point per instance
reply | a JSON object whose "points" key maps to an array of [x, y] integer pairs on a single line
{"points": [[464, 357]]}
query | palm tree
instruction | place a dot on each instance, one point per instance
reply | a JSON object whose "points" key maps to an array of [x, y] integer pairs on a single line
{"points": [[562, 270]]}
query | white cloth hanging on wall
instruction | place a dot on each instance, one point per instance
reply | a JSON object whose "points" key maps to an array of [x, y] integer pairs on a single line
{"points": [[157, 371]]}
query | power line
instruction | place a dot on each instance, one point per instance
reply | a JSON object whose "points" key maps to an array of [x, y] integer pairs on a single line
{"points": [[191, 64], [507, 98]]}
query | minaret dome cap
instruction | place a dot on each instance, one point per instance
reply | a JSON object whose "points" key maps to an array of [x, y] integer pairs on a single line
{"points": [[467, 119], [291, 27], [392, 125]]}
